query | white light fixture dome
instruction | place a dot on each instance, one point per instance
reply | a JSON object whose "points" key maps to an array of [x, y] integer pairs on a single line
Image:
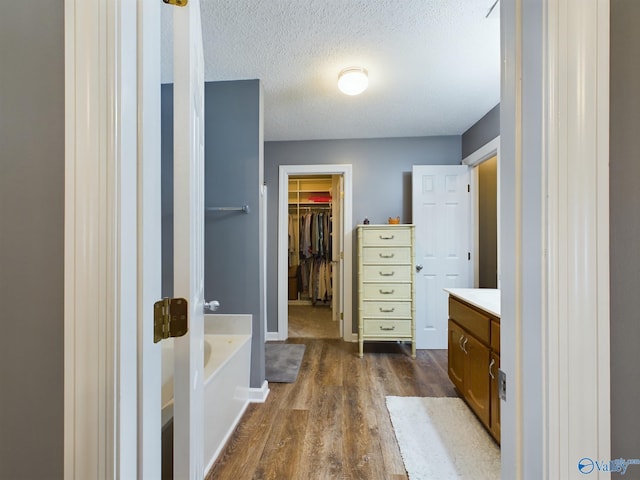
{"points": [[353, 80]]}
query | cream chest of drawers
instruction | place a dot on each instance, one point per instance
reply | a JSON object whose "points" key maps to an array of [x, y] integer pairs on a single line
{"points": [[386, 284]]}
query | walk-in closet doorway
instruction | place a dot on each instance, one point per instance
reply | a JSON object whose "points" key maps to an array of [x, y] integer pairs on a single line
{"points": [[314, 252]]}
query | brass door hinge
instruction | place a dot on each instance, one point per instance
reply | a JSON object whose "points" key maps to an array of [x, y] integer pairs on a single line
{"points": [[170, 318], [177, 3]]}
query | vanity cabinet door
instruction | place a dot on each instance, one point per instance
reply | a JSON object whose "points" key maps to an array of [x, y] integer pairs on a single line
{"points": [[456, 356], [494, 426], [476, 378]]}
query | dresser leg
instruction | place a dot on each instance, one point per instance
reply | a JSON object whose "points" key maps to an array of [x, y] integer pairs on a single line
{"points": [[361, 347]]}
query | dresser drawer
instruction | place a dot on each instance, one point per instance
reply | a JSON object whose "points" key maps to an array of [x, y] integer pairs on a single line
{"points": [[386, 291], [386, 236], [387, 309], [387, 328], [387, 273], [386, 255]]}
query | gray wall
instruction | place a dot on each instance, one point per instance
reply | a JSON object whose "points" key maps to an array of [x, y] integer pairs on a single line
{"points": [[481, 132], [232, 171], [625, 229], [31, 239], [381, 183]]}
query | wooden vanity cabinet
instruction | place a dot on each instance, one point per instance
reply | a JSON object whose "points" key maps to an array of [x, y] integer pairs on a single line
{"points": [[494, 423], [456, 356], [476, 378], [472, 347]]}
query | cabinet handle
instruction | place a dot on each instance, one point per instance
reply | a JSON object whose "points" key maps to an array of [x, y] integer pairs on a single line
{"points": [[387, 328], [382, 255], [387, 310], [493, 361], [382, 274], [386, 292], [384, 237], [464, 345], [460, 342]]}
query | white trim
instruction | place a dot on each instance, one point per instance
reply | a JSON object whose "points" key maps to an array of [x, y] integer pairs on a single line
{"points": [[259, 395], [554, 191], [283, 211], [149, 243], [485, 152], [272, 337], [577, 277], [100, 240], [511, 415]]}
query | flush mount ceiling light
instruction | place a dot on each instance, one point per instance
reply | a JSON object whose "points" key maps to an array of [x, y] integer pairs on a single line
{"points": [[353, 80]]}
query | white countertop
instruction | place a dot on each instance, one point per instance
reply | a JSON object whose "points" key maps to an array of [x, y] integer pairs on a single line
{"points": [[487, 299]]}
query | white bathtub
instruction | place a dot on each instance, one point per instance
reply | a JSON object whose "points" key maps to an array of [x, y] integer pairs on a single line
{"points": [[227, 363]]}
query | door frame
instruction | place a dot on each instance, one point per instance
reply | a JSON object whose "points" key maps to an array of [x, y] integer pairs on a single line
{"points": [[285, 171], [93, 411], [554, 236], [485, 152], [101, 240]]}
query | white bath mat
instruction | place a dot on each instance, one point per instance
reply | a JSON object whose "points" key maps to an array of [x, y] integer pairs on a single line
{"points": [[440, 438]]}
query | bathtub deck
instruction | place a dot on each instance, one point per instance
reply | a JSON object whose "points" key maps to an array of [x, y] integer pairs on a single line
{"points": [[223, 349]]}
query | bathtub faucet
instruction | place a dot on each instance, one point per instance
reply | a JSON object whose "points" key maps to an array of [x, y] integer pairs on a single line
{"points": [[211, 306]]}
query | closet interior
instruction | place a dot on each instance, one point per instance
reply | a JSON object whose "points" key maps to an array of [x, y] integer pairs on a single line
{"points": [[312, 248]]}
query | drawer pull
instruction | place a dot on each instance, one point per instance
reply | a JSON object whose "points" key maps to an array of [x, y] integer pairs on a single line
{"points": [[493, 361], [382, 255], [387, 237], [387, 310], [388, 329], [390, 274], [386, 292]]}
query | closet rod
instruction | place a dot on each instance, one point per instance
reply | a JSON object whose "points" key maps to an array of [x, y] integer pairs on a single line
{"points": [[244, 209]]}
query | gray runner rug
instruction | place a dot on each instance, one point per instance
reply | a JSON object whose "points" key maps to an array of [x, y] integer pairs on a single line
{"points": [[282, 361]]}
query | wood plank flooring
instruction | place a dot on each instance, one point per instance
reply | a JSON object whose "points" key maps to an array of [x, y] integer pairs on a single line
{"points": [[309, 321], [332, 423]]}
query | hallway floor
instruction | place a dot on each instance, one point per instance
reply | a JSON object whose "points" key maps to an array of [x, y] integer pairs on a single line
{"points": [[309, 321], [332, 423]]}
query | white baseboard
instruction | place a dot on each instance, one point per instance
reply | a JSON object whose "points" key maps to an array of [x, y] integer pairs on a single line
{"points": [[272, 337], [259, 395]]}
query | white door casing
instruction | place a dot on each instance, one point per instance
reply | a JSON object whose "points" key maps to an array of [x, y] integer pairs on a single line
{"points": [[442, 236], [554, 248], [149, 243], [188, 206], [338, 249], [487, 151], [100, 269], [347, 231]]}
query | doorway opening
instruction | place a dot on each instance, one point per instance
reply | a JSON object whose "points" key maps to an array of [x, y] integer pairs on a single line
{"points": [[314, 267], [488, 223], [485, 214], [314, 239]]}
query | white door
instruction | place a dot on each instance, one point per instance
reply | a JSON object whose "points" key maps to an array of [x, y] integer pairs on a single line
{"points": [[188, 198], [441, 217]]}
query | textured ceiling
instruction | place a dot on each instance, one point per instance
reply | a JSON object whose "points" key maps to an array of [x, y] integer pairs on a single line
{"points": [[434, 65]]}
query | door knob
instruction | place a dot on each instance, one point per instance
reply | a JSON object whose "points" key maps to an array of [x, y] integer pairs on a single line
{"points": [[419, 267], [211, 306]]}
